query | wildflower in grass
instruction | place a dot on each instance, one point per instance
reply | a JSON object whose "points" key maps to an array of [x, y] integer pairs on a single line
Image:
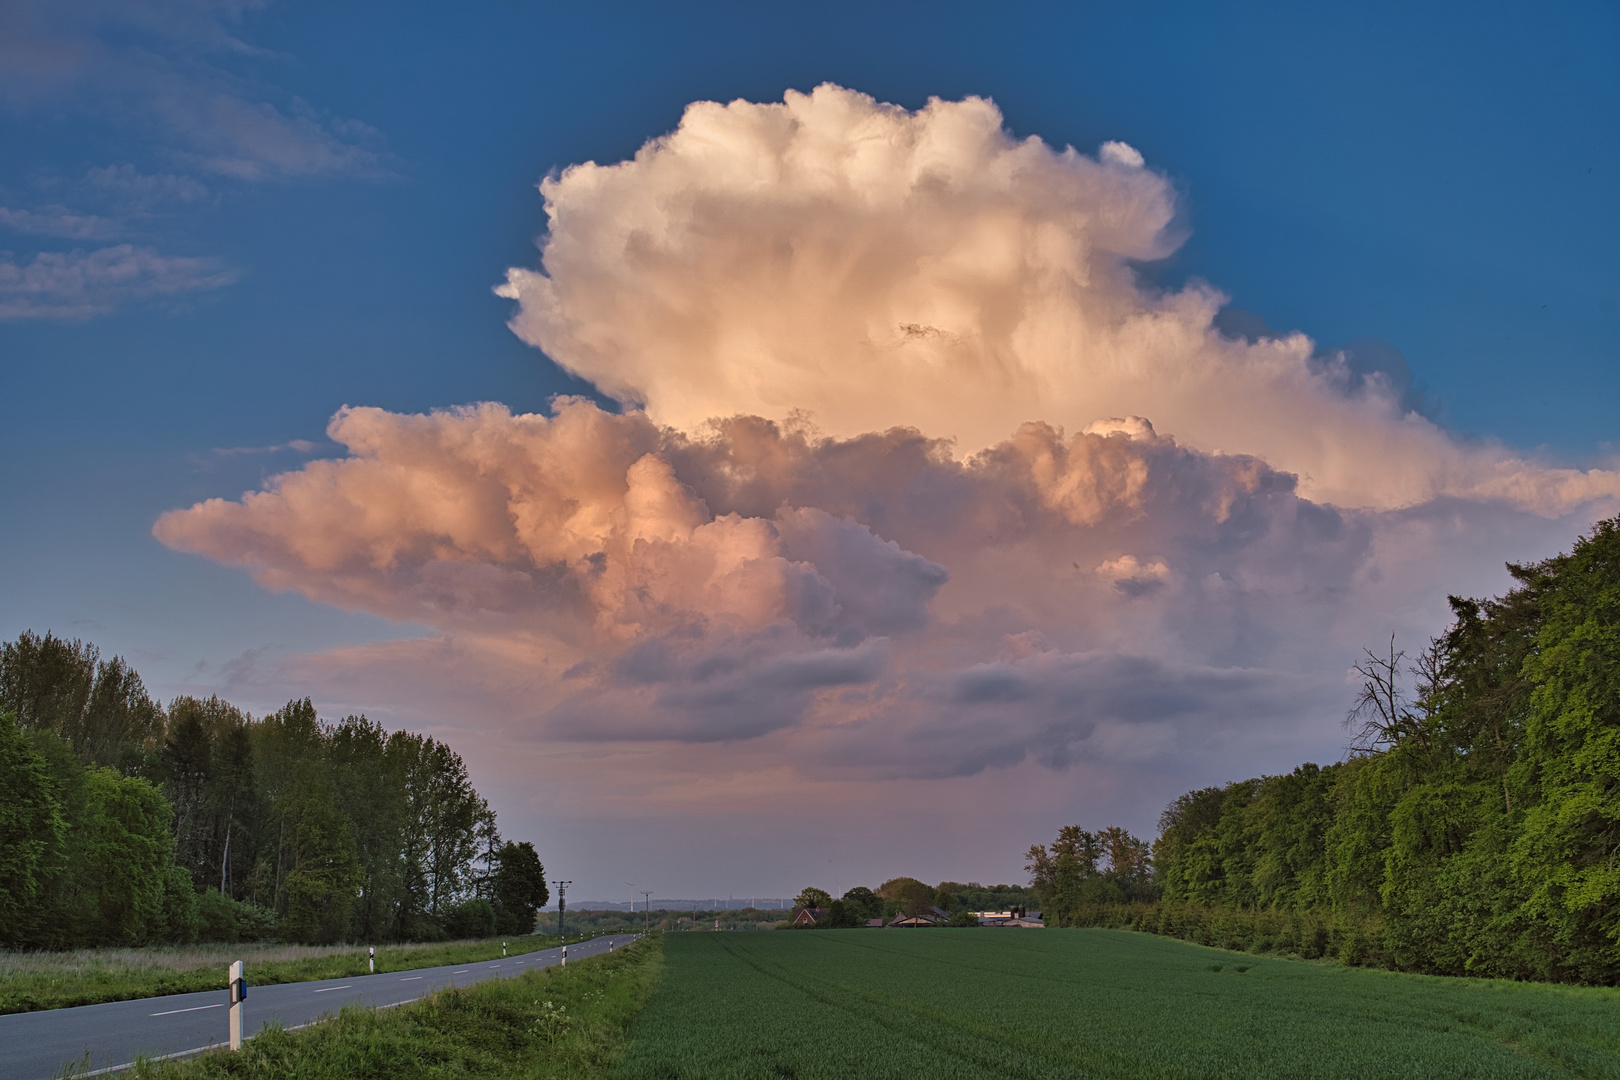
{"points": [[553, 1022]]}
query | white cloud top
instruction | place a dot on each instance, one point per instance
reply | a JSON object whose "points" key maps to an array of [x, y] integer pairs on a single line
{"points": [[874, 266]]}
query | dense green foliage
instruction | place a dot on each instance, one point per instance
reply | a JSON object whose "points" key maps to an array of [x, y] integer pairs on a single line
{"points": [[1089, 1003], [1477, 828], [1083, 869], [908, 896], [1311, 934], [122, 822], [567, 1023]]}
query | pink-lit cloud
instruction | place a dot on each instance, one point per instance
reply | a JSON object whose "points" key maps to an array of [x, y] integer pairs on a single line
{"points": [[865, 592], [918, 489]]}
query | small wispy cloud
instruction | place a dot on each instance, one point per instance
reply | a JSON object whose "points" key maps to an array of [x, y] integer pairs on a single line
{"points": [[171, 71], [141, 190], [168, 63], [80, 285], [59, 221], [301, 446]]}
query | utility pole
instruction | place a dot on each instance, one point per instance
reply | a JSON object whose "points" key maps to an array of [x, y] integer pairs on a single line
{"points": [[646, 910], [562, 907]]}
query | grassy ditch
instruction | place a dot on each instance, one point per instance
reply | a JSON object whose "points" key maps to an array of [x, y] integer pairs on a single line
{"points": [[34, 981], [565, 1023]]}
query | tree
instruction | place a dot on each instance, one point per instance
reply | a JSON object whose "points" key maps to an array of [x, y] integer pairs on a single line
{"points": [[812, 897], [913, 896], [330, 831], [372, 797], [187, 762], [473, 918], [1067, 877], [840, 917], [519, 887], [324, 876], [121, 859], [100, 707], [1569, 770], [864, 904], [46, 682], [31, 831], [1059, 875], [1475, 827]]}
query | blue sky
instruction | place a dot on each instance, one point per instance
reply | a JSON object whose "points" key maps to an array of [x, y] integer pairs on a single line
{"points": [[1439, 179]]}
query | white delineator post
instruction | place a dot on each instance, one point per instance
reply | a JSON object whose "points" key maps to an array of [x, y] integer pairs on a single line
{"points": [[371, 958], [562, 908], [238, 987]]}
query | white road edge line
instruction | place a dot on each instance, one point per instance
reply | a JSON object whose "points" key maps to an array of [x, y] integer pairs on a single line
{"points": [[324, 989], [195, 1008], [413, 978]]}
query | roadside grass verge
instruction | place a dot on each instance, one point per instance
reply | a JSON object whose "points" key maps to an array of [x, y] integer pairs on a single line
{"points": [[982, 1003], [31, 981], [564, 1023]]}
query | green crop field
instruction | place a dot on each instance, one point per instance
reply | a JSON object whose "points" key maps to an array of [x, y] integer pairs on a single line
{"points": [[1089, 1003]]}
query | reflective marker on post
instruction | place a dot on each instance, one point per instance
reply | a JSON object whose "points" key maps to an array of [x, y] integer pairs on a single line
{"points": [[238, 992]]}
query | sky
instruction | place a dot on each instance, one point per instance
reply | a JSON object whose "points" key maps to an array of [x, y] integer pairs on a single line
{"points": [[799, 446]]}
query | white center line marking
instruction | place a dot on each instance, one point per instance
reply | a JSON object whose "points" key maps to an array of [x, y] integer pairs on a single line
{"points": [[324, 989], [196, 1008], [463, 971], [413, 978]]}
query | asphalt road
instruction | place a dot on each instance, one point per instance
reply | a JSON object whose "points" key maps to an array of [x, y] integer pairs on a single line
{"points": [[37, 1045]]}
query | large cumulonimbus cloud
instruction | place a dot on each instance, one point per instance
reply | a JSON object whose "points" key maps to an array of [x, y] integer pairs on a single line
{"points": [[915, 480]]}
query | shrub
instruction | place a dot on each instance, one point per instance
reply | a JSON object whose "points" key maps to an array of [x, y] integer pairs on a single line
{"points": [[473, 918]]}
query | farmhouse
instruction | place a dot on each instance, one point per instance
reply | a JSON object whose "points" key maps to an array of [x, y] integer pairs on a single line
{"points": [[1015, 917], [809, 916]]}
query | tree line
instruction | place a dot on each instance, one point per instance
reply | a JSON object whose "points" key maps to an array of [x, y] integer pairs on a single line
{"points": [[907, 896], [126, 822], [1473, 827]]}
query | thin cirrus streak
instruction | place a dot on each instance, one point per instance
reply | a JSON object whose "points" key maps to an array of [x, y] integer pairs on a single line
{"points": [[915, 481]]}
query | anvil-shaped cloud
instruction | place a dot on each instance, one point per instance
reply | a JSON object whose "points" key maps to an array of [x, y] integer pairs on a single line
{"points": [[915, 479]]}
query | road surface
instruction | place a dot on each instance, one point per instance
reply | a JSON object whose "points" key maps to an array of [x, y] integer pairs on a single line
{"points": [[37, 1045]]}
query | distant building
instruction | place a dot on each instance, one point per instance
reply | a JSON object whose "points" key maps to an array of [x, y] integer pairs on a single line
{"points": [[809, 916], [874, 923], [910, 921], [1015, 917]]}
